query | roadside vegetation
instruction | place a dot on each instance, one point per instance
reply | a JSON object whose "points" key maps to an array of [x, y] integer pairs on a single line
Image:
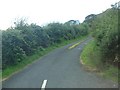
{"points": [[26, 43], [102, 53]]}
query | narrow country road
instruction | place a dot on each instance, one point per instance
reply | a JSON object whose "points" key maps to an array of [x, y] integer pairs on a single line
{"points": [[62, 69]]}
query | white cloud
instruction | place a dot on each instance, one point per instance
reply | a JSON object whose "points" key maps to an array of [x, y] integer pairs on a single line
{"points": [[45, 11]]}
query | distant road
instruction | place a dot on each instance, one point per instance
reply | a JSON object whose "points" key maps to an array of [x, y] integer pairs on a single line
{"points": [[60, 68]]}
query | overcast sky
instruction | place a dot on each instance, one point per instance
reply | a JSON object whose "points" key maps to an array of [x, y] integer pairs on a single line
{"points": [[46, 11]]}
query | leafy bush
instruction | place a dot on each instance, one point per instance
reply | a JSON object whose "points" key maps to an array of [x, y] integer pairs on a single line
{"points": [[24, 40], [106, 35]]}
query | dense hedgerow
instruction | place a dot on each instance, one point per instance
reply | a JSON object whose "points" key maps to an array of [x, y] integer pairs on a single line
{"points": [[24, 40]]}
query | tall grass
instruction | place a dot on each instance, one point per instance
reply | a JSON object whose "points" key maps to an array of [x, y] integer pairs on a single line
{"points": [[91, 58]]}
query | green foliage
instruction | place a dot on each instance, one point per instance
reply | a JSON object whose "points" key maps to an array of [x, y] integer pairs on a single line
{"points": [[106, 35], [102, 55], [91, 56], [92, 60], [25, 40], [12, 53]]}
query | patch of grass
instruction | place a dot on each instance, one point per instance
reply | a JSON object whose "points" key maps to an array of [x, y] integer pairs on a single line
{"points": [[88, 55], [91, 60], [111, 72], [30, 59]]}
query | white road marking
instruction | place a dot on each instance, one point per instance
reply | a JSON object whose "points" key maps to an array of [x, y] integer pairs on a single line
{"points": [[44, 85]]}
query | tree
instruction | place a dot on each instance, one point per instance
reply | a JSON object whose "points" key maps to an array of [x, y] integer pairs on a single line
{"points": [[20, 24]]}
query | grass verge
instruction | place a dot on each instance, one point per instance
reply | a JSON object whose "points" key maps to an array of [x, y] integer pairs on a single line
{"points": [[6, 73], [91, 60]]}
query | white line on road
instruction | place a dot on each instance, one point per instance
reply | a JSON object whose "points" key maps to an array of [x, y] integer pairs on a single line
{"points": [[44, 84]]}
